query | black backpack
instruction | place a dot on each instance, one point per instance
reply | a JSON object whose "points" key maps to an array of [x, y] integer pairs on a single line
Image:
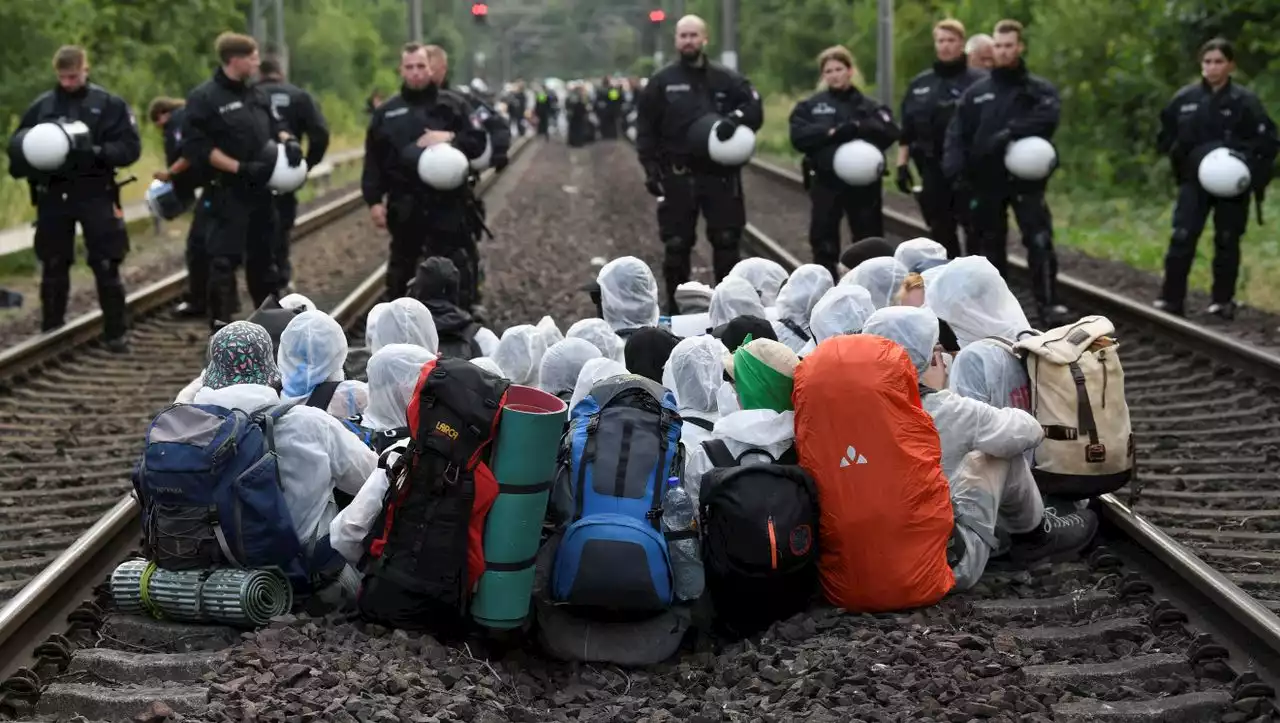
{"points": [[416, 554], [759, 539]]}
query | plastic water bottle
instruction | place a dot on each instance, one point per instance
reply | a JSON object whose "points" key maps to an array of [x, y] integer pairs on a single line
{"points": [[686, 554]]}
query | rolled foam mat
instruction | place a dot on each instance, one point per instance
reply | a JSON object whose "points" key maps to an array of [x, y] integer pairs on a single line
{"points": [[228, 596], [524, 462]]}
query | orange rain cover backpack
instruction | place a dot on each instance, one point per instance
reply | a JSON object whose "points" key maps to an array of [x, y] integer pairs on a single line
{"points": [[874, 453]]}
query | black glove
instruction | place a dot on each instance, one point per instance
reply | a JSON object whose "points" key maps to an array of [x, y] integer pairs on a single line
{"points": [[846, 132], [499, 163], [293, 152], [905, 182], [255, 172], [994, 144], [725, 129], [653, 185]]}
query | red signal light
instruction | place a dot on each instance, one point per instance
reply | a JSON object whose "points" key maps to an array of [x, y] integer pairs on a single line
{"points": [[479, 9], [657, 16]]}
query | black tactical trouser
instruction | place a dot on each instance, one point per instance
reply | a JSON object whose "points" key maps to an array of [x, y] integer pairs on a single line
{"points": [[834, 201], [718, 197], [242, 229], [945, 209], [1190, 212], [94, 206], [422, 229], [1035, 222], [197, 258], [286, 214]]}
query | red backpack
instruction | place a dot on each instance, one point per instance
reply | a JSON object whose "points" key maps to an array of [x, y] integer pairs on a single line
{"points": [[425, 554]]}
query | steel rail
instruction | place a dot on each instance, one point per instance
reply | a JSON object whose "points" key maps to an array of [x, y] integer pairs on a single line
{"points": [[41, 608]]}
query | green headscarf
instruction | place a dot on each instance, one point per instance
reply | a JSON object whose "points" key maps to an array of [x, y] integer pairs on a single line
{"points": [[759, 385]]}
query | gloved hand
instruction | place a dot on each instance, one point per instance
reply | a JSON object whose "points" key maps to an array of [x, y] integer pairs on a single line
{"points": [[846, 132], [255, 172], [653, 181], [293, 152], [905, 182], [994, 144], [499, 163], [725, 129]]}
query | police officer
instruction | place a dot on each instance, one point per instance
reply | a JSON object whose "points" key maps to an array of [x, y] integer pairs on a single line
{"points": [[608, 108], [1008, 105], [544, 108], [819, 126], [302, 118], [517, 104], [230, 126], [169, 115], [676, 172], [927, 107], [1214, 113], [82, 190], [421, 220], [577, 109]]}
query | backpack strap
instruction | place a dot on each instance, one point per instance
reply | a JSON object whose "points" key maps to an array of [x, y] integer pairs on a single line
{"points": [[666, 418], [1087, 423], [700, 423], [322, 395], [719, 454], [796, 329]]}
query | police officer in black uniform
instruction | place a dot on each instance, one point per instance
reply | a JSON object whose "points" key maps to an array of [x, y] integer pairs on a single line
{"points": [[302, 117], [1007, 105], [544, 109], [83, 190], [230, 126], [169, 115], [678, 173], [1214, 113], [516, 106], [819, 126], [608, 108], [927, 108], [498, 131], [422, 220]]}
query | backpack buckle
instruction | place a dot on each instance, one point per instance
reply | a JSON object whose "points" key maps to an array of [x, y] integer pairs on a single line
{"points": [[451, 473]]}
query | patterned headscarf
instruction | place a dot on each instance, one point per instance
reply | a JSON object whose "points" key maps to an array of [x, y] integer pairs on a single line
{"points": [[241, 353]]}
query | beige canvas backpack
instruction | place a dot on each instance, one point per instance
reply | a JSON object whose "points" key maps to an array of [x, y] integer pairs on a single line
{"points": [[1077, 395]]}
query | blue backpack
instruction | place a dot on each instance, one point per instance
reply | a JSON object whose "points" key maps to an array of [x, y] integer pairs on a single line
{"points": [[622, 445], [209, 487]]}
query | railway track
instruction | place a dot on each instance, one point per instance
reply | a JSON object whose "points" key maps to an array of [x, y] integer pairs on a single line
{"points": [[1115, 636], [71, 416], [1203, 411]]}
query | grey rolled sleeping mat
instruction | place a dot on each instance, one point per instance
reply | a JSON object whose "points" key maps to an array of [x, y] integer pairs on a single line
{"points": [[567, 636]]}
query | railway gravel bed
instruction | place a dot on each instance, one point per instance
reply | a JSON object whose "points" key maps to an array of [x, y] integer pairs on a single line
{"points": [[1070, 641], [69, 434], [1206, 433]]}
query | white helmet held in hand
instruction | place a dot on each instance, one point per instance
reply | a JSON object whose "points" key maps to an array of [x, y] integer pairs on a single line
{"points": [[858, 163], [1223, 173], [1031, 159], [286, 178], [443, 167], [734, 152], [47, 145], [483, 161]]}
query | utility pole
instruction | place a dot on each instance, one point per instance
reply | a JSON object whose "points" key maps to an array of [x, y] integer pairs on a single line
{"points": [[282, 49], [255, 22], [884, 52], [415, 21], [677, 9], [729, 45]]}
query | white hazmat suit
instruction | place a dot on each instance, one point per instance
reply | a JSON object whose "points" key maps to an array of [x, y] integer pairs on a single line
{"points": [[313, 350], [519, 354], [628, 294], [734, 297], [562, 364], [694, 373], [795, 304], [881, 277], [765, 275]]}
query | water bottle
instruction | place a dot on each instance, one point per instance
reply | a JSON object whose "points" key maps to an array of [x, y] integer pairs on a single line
{"points": [[686, 555]]}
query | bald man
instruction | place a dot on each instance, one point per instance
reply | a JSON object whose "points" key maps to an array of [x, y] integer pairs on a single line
{"points": [[981, 51], [677, 168]]}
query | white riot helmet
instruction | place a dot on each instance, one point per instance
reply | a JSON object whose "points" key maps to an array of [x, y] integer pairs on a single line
{"points": [[479, 87], [858, 163], [163, 201], [483, 161], [1223, 173], [443, 167], [47, 145], [735, 151], [286, 178], [1031, 159]]}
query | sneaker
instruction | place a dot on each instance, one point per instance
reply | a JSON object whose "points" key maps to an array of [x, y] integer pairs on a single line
{"points": [[1225, 311], [1168, 307], [118, 345], [1058, 536]]}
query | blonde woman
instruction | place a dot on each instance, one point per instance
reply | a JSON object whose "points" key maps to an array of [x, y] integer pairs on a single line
{"points": [[836, 115]]}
